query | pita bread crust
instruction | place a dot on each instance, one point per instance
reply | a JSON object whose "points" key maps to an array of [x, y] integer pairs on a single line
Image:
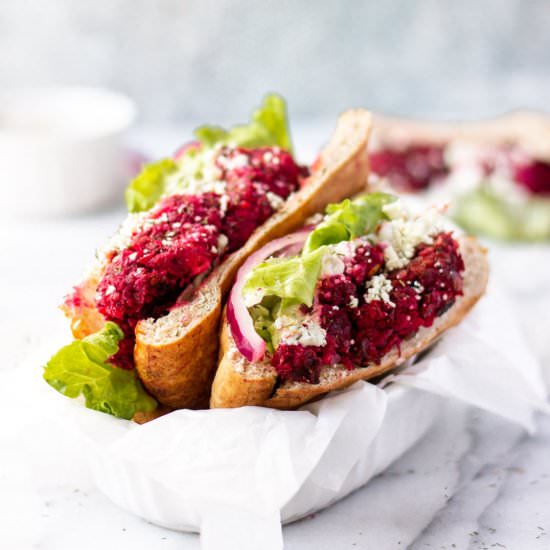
{"points": [[529, 129], [238, 383]]}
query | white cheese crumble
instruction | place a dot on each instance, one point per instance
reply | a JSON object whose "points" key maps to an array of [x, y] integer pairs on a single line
{"points": [[199, 176], [194, 186], [211, 172], [353, 302], [405, 231], [237, 161], [304, 331], [224, 203], [110, 290], [332, 264], [316, 219], [274, 200], [222, 242], [346, 249], [379, 288], [121, 239], [253, 297], [417, 287], [396, 209]]}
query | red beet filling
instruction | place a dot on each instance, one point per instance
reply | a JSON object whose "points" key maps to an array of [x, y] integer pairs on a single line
{"points": [[414, 168], [534, 177], [183, 238], [418, 167], [359, 333]]}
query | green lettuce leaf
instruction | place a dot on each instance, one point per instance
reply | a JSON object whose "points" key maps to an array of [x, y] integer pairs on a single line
{"points": [[348, 220], [291, 279], [483, 211], [81, 368], [264, 315], [149, 186], [268, 128]]}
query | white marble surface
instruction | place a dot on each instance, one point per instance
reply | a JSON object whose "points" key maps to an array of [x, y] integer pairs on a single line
{"points": [[474, 482]]}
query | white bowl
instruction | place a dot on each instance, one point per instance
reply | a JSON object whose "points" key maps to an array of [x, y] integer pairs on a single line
{"points": [[61, 150]]}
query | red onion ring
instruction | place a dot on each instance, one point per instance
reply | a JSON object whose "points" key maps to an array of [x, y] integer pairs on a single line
{"points": [[248, 341]]}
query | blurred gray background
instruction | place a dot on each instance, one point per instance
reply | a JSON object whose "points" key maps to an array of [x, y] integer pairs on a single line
{"points": [[188, 61]]}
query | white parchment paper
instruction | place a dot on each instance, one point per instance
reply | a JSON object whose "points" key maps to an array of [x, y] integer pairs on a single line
{"points": [[234, 475], [523, 268]]}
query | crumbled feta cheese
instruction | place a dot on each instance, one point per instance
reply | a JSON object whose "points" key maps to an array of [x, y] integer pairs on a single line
{"points": [[346, 249], [210, 171], [121, 239], [332, 264], [353, 302], [218, 187], [393, 260], [333, 261], [110, 290], [417, 287], [224, 203], [237, 161], [197, 177], [315, 219], [200, 186], [396, 209], [379, 288], [253, 297], [405, 231], [274, 200], [222, 242], [303, 331]]}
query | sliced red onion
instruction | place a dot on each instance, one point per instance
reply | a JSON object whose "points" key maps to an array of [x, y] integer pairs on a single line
{"points": [[248, 341]]}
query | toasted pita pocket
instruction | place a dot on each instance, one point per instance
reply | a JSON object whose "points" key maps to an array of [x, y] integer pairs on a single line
{"points": [[239, 382], [176, 355]]}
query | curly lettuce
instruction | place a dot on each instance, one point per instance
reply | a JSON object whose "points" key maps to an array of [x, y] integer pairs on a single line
{"points": [[484, 211], [82, 368], [348, 220], [268, 127], [290, 279], [149, 186]]}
